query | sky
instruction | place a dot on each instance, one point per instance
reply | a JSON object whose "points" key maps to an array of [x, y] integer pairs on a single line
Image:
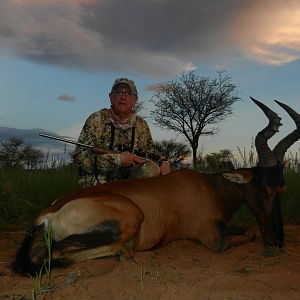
{"points": [[59, 58]]}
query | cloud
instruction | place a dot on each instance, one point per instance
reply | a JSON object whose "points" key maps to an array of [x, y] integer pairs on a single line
{"points": [[72, 131], [66, 98], [157, 87], [269, 31], [154, 37]]}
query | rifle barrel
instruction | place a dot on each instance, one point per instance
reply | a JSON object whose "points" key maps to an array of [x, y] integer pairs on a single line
{"points": [[65, 140]]}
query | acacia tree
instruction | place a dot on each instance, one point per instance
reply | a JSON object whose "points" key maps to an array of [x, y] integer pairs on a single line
{"points": [[193, 105]]}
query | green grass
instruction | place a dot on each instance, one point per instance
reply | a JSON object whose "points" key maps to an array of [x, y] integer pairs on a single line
{"points": [[41, 281], [23, 193], [290, 199]]}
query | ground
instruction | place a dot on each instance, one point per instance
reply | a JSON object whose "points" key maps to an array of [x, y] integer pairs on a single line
{"points": [[180, 270]]}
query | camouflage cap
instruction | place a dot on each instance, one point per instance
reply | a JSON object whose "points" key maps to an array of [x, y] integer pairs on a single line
{"points": [[127, 81]]}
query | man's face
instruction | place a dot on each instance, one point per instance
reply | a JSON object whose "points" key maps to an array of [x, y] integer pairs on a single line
{"points": [[122, 99]]}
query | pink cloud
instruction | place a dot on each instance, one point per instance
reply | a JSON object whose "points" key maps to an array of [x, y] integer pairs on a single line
{"points": [[269, 31]]}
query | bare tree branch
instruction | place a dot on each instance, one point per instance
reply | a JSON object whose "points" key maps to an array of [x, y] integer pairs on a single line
{"points": [[191, 105]]}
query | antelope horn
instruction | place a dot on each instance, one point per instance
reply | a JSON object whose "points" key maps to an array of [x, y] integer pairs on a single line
{"points": [[282, 146], [266, 157]]}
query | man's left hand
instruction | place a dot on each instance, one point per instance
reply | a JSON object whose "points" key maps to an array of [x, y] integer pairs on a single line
{"points": [[165, 167]]}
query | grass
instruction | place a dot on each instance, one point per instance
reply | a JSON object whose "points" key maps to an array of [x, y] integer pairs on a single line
{"points": [[41, 280], [290, 201], [23, 193]]}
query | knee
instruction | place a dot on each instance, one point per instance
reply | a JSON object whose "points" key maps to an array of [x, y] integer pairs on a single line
{"points": [[147, 169]]}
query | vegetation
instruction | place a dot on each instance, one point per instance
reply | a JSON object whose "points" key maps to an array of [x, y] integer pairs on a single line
{"points": [[42, 283], [24, 193], [193, 105], [291, 204], [14, 153], [216, 161]]}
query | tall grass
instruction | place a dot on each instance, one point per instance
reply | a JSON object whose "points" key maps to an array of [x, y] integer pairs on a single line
{"points": [[290, 200], [24, 193]]}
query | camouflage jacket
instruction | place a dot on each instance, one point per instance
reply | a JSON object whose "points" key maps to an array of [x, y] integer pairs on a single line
{"points": [[98, 131]]}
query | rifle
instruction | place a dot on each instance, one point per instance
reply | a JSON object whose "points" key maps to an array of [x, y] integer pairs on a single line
{"points": [[94, 149]]}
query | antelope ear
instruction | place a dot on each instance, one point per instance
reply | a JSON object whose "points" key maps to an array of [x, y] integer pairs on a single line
{"points": [[238, 177]]}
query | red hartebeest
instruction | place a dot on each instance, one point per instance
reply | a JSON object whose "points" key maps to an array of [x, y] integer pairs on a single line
{"points": [[140, 214]]}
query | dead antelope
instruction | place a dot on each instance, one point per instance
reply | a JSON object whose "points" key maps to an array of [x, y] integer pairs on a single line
{"points": [[141, 214]]}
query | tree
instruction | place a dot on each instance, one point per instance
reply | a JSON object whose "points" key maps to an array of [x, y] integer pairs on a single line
{"points": [[174, 151], [10, 153], [31, 157], [193, 105], [14, 153]]}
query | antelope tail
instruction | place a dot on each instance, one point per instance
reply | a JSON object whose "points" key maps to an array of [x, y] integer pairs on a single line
{"points": [[32, 253], [23, 263]]}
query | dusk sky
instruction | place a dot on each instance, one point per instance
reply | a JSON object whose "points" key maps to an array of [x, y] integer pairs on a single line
{"points": [[59, 58]]}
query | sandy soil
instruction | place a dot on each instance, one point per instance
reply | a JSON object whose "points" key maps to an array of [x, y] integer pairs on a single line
{"points": [[181, 270]]}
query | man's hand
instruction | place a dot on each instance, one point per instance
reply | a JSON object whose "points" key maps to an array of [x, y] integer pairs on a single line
{"points": [[165, 167], [129, 160]]}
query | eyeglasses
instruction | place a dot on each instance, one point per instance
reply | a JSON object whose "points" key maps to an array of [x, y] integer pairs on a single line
{"points": [[122, 93]]}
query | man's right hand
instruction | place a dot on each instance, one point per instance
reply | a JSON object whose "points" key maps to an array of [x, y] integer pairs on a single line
{"points": [[128, 159]]}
